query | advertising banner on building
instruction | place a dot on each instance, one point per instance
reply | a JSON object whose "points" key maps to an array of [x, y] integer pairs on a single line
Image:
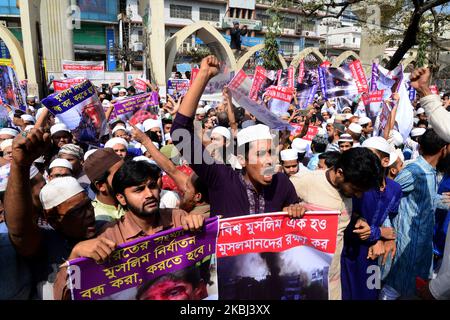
{"points": [[92, 70]]}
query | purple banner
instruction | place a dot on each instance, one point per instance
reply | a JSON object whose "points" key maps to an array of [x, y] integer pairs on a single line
{"points": [[134, 267], [375, 76], [323, 82], [133, 104], [306, 96]]}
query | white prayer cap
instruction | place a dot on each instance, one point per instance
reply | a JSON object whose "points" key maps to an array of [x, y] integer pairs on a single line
{"points": [[395, 138], [144, 158], [364, 120], [5, 172], [300, 145], [400, 154], [140, 126], [321, 131], [9, 131], [30, 96], [348, 116], [330, 121], [200, 111], [115, 91], [253, 133], [112, 142], [420, 111], [377, 143], [39, 112], [123, 90], [393, 156], [117, 128], [151, 123], [58, 127], [207, 108], [289, 154], [345, 138], [355, 128], [28, 118], [40, 160], [416, 132], [28, 128], [105, 103], [59, 190], [324, 110], [5, 144], [201, 103], [89, 153], [224, 132], [345, 108], [62, 163]]}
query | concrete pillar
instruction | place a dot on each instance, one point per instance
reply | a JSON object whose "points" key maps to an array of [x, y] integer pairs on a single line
{"points": [[369, 51], [29, 18], [56, 21], [157, 42]]}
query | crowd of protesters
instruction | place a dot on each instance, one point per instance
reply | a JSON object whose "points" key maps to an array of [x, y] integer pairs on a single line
{"points": [[62, 199]]}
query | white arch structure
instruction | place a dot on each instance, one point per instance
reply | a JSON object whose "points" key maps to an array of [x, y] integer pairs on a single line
{"points": [[344, 56], [302, 54], [208, 34], [16, 51], [243, 60]]}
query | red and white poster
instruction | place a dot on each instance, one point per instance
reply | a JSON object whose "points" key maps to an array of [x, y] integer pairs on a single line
{"points": [[194, 74], [312, 131], [140, 85], [91, 70], [274, 257], [359, 76], [258, 80], [61, 85], [281, 99], [325, 64], [373, 97], [434, 89]]}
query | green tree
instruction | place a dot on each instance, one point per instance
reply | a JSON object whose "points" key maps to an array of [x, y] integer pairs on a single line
{"points": [[270, 57]]}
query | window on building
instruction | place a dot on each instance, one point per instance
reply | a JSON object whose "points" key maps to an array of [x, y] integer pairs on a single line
{"points": [[287, 47], [265, 19], [182, 12], [288, 23], [354, 40], [344, 40], [208, 14]]}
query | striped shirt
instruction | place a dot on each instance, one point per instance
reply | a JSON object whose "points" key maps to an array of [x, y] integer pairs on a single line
{"points": [[414, 225]]}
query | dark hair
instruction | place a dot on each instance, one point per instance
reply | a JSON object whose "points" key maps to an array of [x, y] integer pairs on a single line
{"points": [[319, 144], [430, 143], [330, 157], [200, 187], [424, 122], [222, 119], [134, 173], [361, 167], [166, 121]]}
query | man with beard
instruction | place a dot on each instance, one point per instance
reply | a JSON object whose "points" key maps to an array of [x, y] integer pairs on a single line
{"points": [[356, 171], [254, 190], [100, 168], [415, 220], [136, 187], [68, 213]]}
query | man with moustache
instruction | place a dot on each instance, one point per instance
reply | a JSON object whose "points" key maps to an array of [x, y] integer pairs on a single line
{"points": [[256, 189]]}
